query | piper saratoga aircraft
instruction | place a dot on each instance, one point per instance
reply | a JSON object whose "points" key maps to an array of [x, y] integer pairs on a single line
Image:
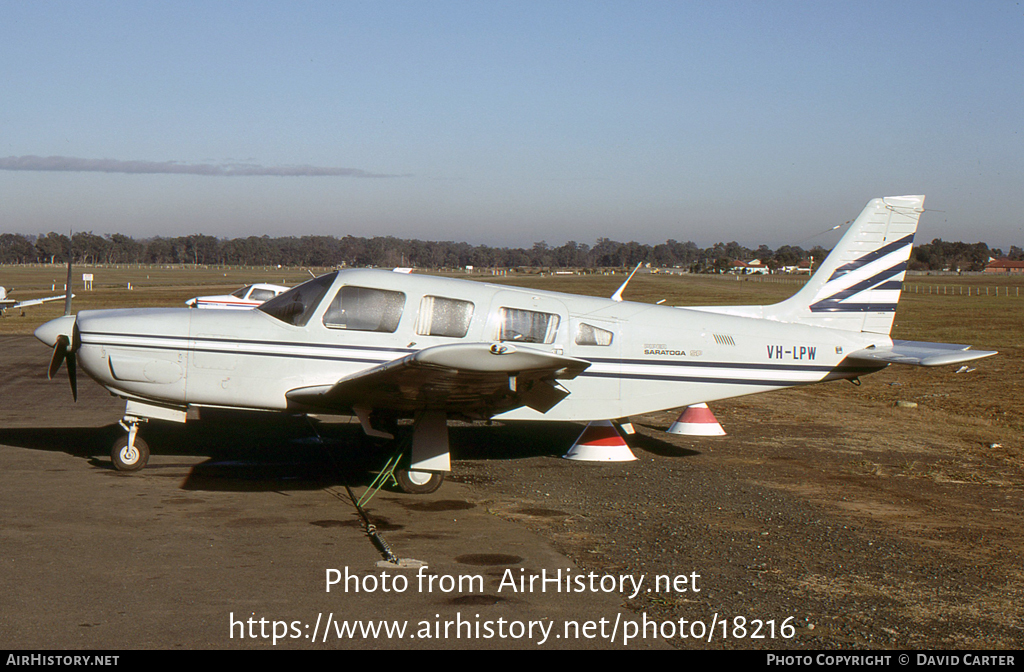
{"points": [[384, 345], [7, 303]]}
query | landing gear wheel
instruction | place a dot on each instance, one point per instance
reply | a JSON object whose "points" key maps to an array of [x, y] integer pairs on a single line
{"points": [[132, 458], [417, 482]]}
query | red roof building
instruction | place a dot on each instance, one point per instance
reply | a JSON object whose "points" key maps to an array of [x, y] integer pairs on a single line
{"points": [[1005, 265]]}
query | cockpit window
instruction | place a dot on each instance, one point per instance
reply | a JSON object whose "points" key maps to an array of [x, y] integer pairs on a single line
{"points": [[439, 316], [365, 309], [527, 326], [262, 295], [296, 305], [240, 293]]}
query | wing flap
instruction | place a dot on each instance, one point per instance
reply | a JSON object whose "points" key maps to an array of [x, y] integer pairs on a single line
{"points": [[468, 378], [920, 353]]}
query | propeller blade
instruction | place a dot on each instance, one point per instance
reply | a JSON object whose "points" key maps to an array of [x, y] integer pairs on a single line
{"points": [[73, 375], [60, 351], [67, 290]]}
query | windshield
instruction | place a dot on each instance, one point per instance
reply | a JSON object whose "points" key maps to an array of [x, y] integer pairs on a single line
{"points": [[297, 304], [240, 293]]}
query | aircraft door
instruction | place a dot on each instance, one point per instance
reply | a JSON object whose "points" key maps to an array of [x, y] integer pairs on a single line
{"points": [[543, 323], [536, 321], [598, 341]]}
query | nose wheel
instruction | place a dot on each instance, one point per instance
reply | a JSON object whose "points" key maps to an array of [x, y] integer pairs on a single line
{"points": [[130, 452]]}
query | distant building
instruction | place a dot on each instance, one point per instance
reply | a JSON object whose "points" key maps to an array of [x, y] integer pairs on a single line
{"points": [[1005, 265], [755, 266], [747, 267]]}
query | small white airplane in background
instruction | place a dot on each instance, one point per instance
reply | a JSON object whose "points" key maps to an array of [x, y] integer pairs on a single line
{"points": [[247, 297], [384, 345], [8, 303]]}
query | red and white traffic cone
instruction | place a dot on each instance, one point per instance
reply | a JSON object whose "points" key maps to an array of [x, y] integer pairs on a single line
{"points": [[697, 420], [600, 442]]}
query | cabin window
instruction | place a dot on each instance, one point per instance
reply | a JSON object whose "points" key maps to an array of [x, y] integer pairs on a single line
{"points": [[365, 309], [587, 334], [297, 305], [527, 326], [262, 295], [439, 316]]}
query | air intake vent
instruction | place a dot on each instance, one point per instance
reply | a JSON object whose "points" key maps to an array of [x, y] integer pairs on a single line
{"points": [[724, 340]]}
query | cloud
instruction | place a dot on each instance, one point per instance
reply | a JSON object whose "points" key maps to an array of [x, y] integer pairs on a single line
{"points": [[71, 164]]}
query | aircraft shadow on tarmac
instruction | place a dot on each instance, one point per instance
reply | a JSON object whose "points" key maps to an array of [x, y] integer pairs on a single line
{"points": [[261, 452]]}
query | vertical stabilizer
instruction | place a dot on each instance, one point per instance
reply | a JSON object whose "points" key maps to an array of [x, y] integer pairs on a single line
{"points": [[858, 285]]}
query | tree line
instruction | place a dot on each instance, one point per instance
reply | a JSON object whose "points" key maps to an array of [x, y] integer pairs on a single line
{"points": [[319, 251]]}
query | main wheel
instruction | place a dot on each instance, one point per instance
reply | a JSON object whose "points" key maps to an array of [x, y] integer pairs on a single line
{"points": [[130, 459], [418, 482]]}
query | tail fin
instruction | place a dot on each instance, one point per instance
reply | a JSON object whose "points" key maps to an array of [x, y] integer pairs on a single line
{"points": [[858, 285]]}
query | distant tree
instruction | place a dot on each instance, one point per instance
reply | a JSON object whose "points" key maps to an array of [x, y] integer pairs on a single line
{"points": [[16, 249], [124, 250], [52, 248]]}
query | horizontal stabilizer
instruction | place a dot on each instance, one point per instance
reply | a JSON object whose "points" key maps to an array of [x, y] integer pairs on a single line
{"points": [[920, 353]]}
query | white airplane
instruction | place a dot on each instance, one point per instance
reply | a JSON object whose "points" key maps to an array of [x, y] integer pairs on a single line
{"points": [[386, 345], [8, 303], [245, 298]]}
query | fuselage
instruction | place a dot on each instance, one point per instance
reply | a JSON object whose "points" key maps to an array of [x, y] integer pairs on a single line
{"points": [[642, 357]]}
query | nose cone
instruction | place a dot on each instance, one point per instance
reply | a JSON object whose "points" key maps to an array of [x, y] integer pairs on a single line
{"points": [[48, 332]]}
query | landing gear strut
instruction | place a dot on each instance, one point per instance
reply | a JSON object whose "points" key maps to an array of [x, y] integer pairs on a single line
{"points": [[130, 452]]}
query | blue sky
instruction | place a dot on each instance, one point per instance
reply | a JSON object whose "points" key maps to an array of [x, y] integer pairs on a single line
{"points": [[507, 123]]}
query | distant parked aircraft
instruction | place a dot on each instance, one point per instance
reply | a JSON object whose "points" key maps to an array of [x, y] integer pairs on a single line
{"points": [[6, 303], [249, 296]]}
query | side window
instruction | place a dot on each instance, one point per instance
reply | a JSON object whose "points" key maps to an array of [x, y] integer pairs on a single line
{"points": [[443, 317], [587, 334], [365, 309], [527, 326]]}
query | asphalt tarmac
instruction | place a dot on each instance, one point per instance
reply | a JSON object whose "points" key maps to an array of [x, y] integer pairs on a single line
{"points": [[231, 535]]}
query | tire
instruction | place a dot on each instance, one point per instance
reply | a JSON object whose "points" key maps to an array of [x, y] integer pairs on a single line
{"points": [[418, 482], [125, 461]]}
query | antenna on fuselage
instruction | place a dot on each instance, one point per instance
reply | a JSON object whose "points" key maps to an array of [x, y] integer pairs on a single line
{"points": [[617, 296]]}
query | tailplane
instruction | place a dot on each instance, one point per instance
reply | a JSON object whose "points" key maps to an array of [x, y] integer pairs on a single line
{"points": [[858, 285]]}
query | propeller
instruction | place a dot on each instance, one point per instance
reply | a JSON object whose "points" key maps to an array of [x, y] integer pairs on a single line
{"points": [[64, 350], [63, 333]]}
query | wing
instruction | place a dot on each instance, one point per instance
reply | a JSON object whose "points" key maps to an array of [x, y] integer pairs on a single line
{"points": [[920, 353], [36, 302], [477, 379]]}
